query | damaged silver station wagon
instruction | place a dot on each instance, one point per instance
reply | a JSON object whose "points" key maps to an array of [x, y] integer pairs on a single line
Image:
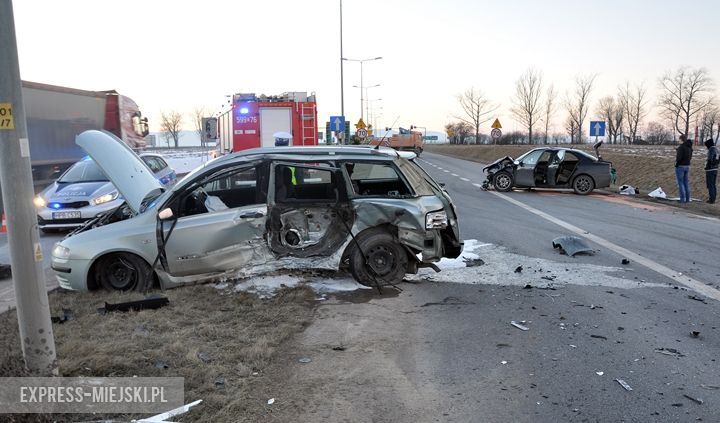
{"points": [[369, 210]]}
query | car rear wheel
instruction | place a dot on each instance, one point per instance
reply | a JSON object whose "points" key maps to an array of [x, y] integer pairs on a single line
{"points": [[122, 272], [384, 262], [503, 181], [583, 184]]}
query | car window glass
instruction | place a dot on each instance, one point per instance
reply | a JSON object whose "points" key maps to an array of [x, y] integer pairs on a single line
{"points": [[532, 157], [558, 157], [237, 188], [570, 157], [298, 183], [162, 163], [152, 163], [416, 176], [84, 171], [377, 179], [545, 156]]}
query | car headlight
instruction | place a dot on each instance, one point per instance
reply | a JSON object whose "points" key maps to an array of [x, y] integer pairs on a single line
{"points": [[105, 198], [61, 252], [436, 220], [39, 202]]}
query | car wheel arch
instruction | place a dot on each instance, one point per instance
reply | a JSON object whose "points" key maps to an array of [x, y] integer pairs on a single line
{"points": [[576, 177], [93, 285]]}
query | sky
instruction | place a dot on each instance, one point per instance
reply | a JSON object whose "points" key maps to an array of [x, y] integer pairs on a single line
{"points": [[182, 55]]}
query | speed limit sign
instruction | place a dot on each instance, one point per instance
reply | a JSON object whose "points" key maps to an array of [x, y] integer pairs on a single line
{"points": [[496, 133], [361, 133]]}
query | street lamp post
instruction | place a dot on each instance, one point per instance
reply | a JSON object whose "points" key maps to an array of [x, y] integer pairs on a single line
{"points": [[362, 99]]}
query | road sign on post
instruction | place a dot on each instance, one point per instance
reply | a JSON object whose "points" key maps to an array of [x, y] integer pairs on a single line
{"points": [[496, 124], [496, 133], [337, 123], [361, 133], [597, 128]]}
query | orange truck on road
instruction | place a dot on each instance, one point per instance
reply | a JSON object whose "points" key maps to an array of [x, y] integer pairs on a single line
{"points": [[405, 140]]}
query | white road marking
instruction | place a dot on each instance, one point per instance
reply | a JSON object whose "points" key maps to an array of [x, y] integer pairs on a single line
{"points": [[465, 179], [454, 174], [439, 168], [691, 283], [446, 171], [477, 185]]}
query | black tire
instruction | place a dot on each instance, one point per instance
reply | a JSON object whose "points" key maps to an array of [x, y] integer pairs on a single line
{"points": [[503, 181], [583, 184], [387, 260], [122, 272]]}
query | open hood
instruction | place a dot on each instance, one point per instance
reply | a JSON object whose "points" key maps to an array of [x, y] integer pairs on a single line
{"points": [[125, 169]]}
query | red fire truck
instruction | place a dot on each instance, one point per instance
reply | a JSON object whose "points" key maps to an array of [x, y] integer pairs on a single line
{"points": [[253, 120]]}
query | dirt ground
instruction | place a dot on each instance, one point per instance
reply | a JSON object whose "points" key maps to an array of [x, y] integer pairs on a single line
{"points": [[221, 342], [643, 166]]}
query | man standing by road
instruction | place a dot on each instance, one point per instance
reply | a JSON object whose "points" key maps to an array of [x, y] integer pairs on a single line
{"points": [[682, 168], [711, 169]]}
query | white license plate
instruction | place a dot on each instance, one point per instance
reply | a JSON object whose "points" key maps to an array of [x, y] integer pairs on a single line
{"points": [[66, 215]]}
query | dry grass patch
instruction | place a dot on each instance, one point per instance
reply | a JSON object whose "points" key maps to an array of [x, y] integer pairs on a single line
{"points": [[215, 339]]}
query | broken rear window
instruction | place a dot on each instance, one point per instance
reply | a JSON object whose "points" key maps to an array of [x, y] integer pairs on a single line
{"points": [[376, 179], [415, 176]]}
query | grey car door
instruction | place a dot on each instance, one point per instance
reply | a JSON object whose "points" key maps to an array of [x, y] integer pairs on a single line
{"points": [[525, 171], [221, 225]]}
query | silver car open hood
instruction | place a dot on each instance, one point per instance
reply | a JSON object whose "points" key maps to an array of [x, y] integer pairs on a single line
{"points": [[126, 170]]}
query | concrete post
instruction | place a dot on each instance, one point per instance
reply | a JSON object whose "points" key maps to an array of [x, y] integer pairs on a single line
{"points": [[36, 334]]}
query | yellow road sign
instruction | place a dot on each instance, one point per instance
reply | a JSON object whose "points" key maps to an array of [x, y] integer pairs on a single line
{"points": [[360, 124], [496, 124]]}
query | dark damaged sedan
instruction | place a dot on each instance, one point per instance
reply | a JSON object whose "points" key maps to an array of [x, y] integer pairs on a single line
{"points": [[370, 210], [553, 167]]}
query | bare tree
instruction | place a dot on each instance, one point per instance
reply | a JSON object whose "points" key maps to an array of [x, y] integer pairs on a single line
{"points": [[526, 102], [657, 133], [684, 94], [458, 131], [476, 108], [633, 102], [611, 112], [571, 128], [578, 103], [196, 116], [708, 120], [171, 125], [549, 109]]}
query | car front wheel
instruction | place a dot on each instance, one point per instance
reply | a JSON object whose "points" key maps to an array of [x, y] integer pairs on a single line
{"points": [[503, 181], [379, 260], [583, 185], [122, 272]]}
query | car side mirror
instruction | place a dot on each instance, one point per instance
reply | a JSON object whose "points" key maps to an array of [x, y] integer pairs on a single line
{"points": [[518, 162], [165, 214]]}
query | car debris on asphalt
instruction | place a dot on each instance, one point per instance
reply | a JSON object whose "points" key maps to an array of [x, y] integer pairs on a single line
{"points": [[669, 351], [698, 401], [304, 360], [519, 269], [519, 326], [625, 261], [473, 262], [571, 245], [271, 401], [624, 384]]}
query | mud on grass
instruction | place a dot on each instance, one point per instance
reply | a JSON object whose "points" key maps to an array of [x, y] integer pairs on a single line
{"points": [[215, 339]]}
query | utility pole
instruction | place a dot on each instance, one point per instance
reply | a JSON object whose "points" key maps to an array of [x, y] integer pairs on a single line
{"points": [[342, 82], [36, 334]]}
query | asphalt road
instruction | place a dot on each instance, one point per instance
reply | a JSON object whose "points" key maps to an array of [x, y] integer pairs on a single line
{"points": [[440, 351]]}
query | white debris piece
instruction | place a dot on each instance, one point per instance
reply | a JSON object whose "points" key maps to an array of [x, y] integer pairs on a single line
{"points": [[271, 401], [657, 193]]}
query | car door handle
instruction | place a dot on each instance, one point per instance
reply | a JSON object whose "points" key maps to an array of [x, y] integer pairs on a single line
{"points": [[254, 215]]}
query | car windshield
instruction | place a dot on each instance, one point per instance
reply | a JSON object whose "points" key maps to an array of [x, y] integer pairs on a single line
{"points": [[84, 171]]}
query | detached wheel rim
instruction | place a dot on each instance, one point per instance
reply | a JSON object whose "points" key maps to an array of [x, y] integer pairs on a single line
{"points": [[502, 181], [120, 274], [381, 260], [583, 184]]}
